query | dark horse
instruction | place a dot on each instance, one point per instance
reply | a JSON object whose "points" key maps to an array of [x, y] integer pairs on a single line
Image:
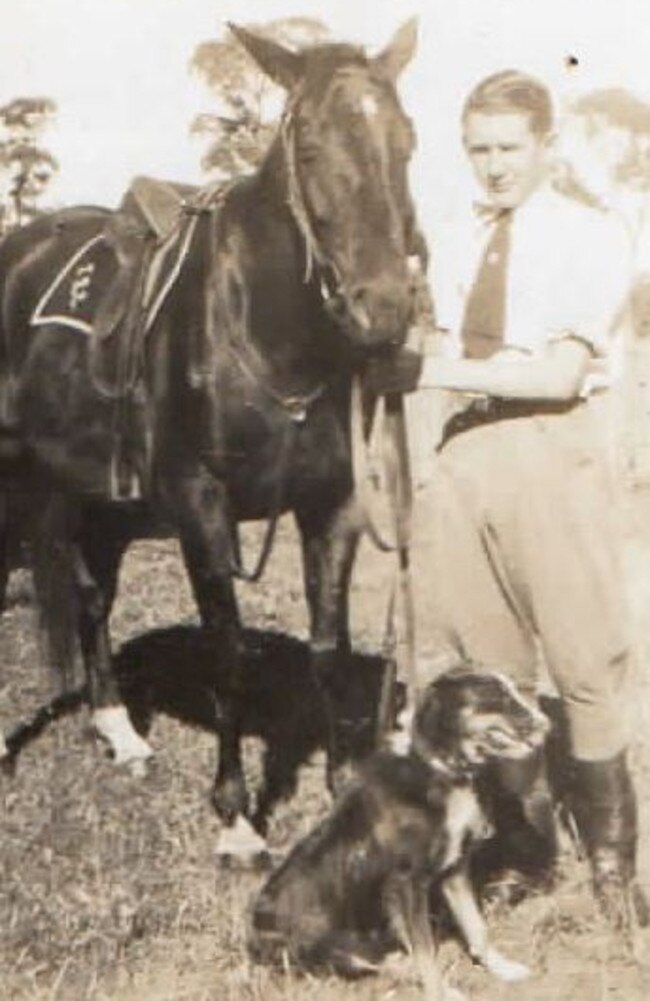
{"points": [[242, 401]]}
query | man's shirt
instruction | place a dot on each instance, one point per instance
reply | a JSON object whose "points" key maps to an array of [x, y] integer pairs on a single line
{"points": [[568, 275]]}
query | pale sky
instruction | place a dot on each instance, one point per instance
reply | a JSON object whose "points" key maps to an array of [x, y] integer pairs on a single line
{"points": [[119, 71]]}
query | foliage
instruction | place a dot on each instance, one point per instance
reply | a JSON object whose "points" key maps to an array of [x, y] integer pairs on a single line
{"points": [[615, 123], [26, 167], [240, 131]]}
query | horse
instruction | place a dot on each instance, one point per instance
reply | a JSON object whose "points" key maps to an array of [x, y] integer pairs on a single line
{"points": [[294, 276]]}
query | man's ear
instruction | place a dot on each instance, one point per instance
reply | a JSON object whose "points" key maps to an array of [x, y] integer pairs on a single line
{"points": [[281, 65]]}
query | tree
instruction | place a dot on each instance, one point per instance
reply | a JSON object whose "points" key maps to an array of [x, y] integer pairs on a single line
{"points": [[26, 167], [248, 102], [624, 120]]}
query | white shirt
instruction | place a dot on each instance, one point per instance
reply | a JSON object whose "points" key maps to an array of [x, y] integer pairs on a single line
{"points": [[568, 275]]}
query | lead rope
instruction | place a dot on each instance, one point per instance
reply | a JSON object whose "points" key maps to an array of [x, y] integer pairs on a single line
{"points": [[399, 483], [399, 658]]}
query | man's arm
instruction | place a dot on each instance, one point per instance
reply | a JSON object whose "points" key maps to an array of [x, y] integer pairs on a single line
{"points": [[557, 375]]}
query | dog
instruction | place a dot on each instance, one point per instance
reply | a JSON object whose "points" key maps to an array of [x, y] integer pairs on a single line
{"points": [[360, 884]]}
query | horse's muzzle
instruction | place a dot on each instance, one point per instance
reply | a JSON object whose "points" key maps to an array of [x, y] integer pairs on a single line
{"points": [[377, 314]]}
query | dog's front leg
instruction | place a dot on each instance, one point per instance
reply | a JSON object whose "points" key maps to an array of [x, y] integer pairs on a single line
{"points": [[458, 893], [408, 908]]}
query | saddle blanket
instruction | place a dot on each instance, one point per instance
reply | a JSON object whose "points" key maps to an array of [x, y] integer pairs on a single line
{"points": [[76, 292]]}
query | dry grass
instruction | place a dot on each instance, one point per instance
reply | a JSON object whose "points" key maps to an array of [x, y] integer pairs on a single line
{"points": [[108, 884]]}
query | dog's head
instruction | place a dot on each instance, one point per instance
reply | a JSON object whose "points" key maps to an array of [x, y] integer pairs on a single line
{"points": [[470, 716]]}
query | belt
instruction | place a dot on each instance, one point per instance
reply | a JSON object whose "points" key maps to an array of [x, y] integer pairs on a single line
{"points": [[491, 409]]}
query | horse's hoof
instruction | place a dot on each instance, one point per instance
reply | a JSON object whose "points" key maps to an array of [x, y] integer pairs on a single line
{"points": [[138, 767], [112, 725], [239, 846]]}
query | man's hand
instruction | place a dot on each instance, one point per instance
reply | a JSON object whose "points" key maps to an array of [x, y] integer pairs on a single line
{"points": [[397, 372]]}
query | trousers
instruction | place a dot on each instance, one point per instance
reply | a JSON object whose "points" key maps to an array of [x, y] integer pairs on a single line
{"points": [[524, 564]]}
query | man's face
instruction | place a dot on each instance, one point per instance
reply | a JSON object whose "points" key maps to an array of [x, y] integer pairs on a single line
{"points": [[508, 158]]}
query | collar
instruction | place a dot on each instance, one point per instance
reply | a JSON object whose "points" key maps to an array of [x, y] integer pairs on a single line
{"points": [[540, 199]]}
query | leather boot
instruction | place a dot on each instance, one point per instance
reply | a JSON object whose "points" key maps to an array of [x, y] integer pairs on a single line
{"points": [[559, 765], [605, 810]]}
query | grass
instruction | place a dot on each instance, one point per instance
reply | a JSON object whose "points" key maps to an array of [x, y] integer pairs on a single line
{"points": [[108, 885]]}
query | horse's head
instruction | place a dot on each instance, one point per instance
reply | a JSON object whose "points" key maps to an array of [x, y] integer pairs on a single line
{"points": [[346, 144]]}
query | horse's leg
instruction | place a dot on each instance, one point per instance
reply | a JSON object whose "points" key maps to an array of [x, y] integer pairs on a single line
{"points": [[97, 561], [329, 543], [4, 579], [205, 528], [5, 550]]}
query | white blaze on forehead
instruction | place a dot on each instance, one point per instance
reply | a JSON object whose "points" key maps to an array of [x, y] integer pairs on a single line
{"points": [[369, 105]]}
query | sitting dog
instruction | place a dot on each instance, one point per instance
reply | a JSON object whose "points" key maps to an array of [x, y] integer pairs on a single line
{"points": [[360, 884]]}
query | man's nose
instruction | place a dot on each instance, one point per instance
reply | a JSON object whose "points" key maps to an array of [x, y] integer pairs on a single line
{"points": [[495, 164]]}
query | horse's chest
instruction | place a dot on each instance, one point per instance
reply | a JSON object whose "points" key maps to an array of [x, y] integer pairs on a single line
{"points": [[273, 459], [464, 823]]}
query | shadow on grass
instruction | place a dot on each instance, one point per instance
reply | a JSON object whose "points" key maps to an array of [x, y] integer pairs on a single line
{"points": [[180, 672]]}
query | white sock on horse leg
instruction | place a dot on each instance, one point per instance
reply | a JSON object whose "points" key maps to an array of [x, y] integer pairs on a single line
{"points": [[113, 725]]}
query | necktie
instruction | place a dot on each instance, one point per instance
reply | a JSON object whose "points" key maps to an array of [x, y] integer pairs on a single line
{"points": [[485, 310]]}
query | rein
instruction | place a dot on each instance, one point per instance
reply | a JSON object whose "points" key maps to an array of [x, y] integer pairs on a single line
{"points": [[295, 406], [314, 254], [395, 454], [400, 658], [296, 409]]}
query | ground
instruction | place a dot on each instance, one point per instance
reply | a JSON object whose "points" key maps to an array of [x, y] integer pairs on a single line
{"points": [[108, 885]]}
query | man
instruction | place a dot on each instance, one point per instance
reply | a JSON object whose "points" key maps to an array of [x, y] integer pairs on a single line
{"points": [[528, 293]]}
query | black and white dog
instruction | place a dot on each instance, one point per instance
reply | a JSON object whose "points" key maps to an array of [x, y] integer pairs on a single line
{"points": [[360, 884]]}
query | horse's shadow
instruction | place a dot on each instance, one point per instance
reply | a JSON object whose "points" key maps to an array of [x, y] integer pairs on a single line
{"points": [[179, 671]]}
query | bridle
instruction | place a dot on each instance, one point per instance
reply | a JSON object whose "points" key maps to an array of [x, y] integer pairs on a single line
{"points": [[315, 257], [398, 474], [319, 265]]}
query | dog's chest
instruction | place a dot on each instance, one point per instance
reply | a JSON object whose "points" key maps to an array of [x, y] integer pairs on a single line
{"points": [[464, 822]]}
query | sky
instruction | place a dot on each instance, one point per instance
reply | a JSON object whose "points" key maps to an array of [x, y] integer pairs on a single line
{"points": [[118, 70]]}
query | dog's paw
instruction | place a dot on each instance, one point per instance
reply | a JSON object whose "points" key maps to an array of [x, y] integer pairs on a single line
{"points": [[502, 967], [452, 994]]}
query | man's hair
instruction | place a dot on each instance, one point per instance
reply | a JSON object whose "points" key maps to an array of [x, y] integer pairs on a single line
{"points": [[512, 91]]}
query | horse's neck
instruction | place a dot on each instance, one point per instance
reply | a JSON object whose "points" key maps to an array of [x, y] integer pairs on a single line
{"points": [[287, 323]]}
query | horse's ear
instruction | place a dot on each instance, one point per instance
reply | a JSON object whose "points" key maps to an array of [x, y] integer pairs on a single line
{"points": [[399, 51], [282, 65]]}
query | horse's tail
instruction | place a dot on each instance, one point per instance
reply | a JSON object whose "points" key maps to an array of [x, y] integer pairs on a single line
{"points": [[55, 563]]}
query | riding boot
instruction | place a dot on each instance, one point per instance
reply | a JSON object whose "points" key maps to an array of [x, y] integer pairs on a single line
{"points": [[605, 810], [559, 764]]}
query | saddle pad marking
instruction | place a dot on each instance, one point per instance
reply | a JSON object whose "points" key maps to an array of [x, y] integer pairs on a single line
{"points": [[38, 319]]}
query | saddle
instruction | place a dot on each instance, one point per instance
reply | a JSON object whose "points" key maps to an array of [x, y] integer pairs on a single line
{"points": [[143, 235], [113, 288]]}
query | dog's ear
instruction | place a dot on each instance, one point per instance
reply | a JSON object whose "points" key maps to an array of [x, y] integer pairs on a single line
{"points": [[428, 721]]}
